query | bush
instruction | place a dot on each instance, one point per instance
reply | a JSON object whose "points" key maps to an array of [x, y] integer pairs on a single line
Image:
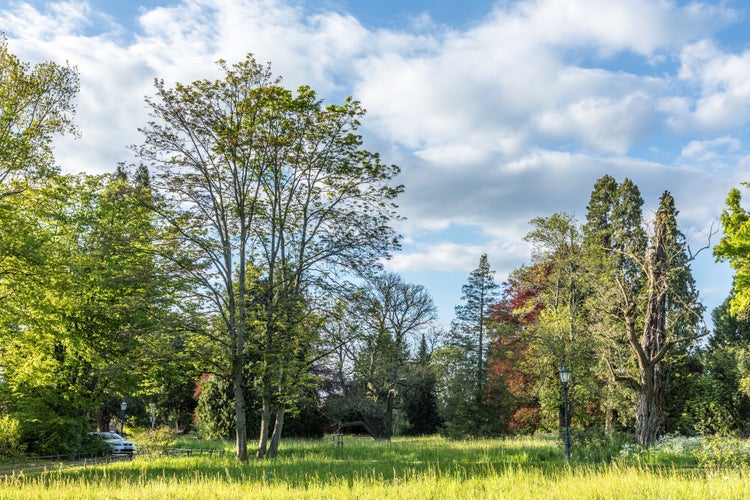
{"points": [[673, 449], [676, 444], [92, 445], [154, 442], [58, 435], [719, 453], [10, 437], [595, 446]]}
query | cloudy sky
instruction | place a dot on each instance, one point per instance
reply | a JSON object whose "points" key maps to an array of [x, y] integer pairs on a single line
{"points": [[496, 111]]}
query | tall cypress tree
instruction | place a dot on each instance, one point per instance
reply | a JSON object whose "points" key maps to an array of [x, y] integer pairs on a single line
{"points": [[643, 300], [614, 241]]}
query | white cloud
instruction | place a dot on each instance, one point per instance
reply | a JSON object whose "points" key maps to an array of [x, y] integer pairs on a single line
{"points": [[63, 19], [724, 83], [511, 119], [710, 152], [519, 70], [446, 256]]}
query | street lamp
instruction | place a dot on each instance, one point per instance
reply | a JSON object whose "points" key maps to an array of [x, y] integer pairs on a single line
{"points": [[123, 407], [153, 414], [564, 378]]}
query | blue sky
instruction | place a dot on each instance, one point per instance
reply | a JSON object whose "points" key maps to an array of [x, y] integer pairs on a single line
{"points": [[497, 112]]}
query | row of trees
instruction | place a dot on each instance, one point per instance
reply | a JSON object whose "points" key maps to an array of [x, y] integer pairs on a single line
{"points": [[251, 208], [605, 298], [614, 299], [233, 276]]}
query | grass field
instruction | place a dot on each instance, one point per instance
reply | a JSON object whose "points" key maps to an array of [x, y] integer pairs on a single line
{"points": [[413, 468]]}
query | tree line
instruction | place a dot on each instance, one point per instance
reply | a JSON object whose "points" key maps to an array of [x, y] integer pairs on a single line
{"points": [[233, 278]]}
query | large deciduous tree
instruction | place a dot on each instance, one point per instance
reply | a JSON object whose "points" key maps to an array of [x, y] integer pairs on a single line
{"points": [[327, 205], [270, 194], [514, 360], [387, 315], [37, 105], [77, 325], [733, 247]]}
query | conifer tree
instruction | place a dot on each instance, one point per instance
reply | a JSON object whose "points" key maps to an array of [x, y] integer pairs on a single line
{"points": [[420, 395], [470, 325]]}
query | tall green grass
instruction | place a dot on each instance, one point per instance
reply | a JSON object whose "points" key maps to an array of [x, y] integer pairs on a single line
{"points": [[413, 468]]}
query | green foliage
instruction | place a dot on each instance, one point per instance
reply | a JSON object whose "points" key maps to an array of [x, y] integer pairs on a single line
{"points": [[683, 380], [473, 406], [56, 434], [215, 416], [37, 104], [10, 437], [719, 403], [470, 326], [420, 395], [733, 247], [384, 318], [93, 446], [267, 191], [593, 446], [668, 450], [722, 453], [154, 442]]}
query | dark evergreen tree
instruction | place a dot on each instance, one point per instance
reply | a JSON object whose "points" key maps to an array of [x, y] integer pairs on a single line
{"points": [[642, 301], [469, 328], [473, 408], [420, 395], [614, 240]]}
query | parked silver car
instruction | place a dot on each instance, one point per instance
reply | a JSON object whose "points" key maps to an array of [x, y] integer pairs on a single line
{"points": [[119, 445]]}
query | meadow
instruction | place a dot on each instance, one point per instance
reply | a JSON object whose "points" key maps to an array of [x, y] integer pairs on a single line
{"points": [[405, 468]]}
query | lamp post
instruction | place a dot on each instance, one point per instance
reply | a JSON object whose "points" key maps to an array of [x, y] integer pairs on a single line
{"points": [[153, 414], [564, 378], [123, 407]]}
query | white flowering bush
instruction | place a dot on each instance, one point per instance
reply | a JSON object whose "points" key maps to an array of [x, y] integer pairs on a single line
{"points": [[722, 453]]}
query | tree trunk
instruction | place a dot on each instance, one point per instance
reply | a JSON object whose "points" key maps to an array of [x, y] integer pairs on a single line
{"points": [[388, 416], [609, 421], [650, 416], [265, 422], [239, 410], [278, 426], [480, 361], [370, 427]]}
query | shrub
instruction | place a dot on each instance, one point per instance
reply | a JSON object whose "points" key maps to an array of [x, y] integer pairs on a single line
{"points": [[674, 449], [154, 442], [676, 444], [92, 445], [718, 453], [595, 446], [58, 435], [10, 437]]}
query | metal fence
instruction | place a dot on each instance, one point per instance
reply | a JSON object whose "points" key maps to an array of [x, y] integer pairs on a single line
{"points": [[23, 464], [189, 452]]}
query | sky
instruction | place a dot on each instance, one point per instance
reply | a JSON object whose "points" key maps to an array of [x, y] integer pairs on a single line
{"points": [[497, 112]]}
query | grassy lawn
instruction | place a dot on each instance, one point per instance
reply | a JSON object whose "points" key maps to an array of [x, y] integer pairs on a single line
{"points": [[409, 468]]}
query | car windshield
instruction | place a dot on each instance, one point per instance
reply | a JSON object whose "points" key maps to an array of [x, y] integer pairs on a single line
{"points": [[109, 435]]}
